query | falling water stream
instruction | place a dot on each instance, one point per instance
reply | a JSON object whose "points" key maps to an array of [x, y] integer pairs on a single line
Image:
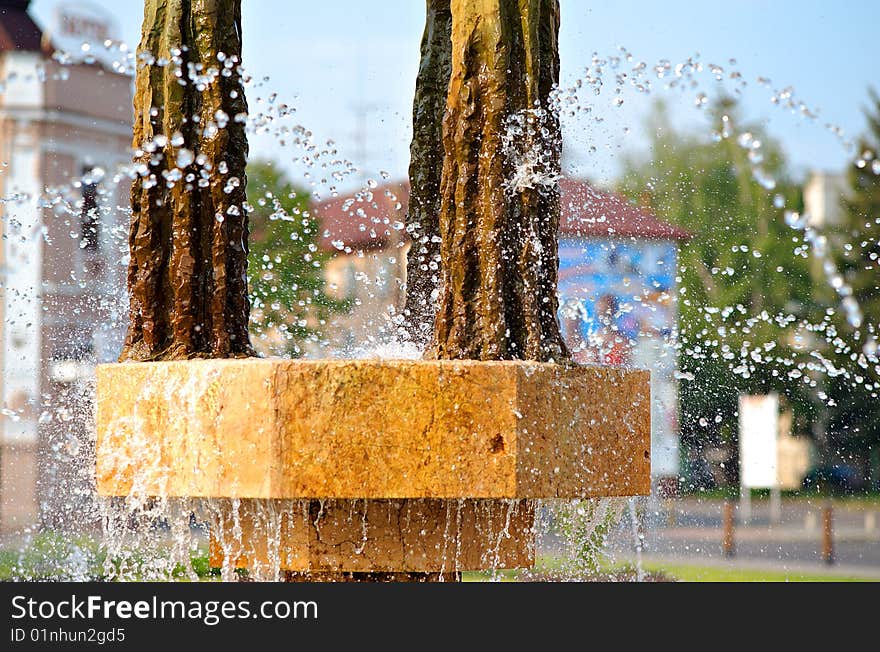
{"points": [[637, 539]]}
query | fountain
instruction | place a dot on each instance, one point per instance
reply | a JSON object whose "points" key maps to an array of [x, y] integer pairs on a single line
{"points": [[364, 469], [486, 451]]}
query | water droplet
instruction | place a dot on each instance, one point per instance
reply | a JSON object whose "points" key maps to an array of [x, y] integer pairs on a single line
{"points": [[795, 220], [184, 158], [764, 180]]}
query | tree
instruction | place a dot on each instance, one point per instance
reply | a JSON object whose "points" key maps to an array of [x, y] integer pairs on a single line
{"points": [[742, 291], [287, 286], [853, 408]]}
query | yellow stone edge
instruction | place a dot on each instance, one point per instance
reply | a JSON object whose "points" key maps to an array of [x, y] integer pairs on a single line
{"points": [[560, 473]]}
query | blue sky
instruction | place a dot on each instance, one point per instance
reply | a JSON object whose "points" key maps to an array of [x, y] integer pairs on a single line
{"points": [[330, 58]]}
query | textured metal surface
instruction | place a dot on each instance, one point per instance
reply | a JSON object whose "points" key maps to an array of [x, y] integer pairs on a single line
{"points": [[187, 278]]}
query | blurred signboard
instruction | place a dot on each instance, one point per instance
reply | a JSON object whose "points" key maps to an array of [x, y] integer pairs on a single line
{"points": [[758, 441], [83, 32]]}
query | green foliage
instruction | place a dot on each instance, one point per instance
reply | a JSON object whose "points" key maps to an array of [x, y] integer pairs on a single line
{"points": [[742, 289], [286, 265], [201, 566], [584, 524], [853, 416], [53, 556]]}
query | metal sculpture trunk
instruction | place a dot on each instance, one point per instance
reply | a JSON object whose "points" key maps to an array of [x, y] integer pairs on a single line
{"points": [[426, 166], [188, 237], [499, 196]]}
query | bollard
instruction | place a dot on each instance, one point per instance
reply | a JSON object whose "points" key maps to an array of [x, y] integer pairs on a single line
{"points": [[728, 546], [775, 506], [828, 534]]}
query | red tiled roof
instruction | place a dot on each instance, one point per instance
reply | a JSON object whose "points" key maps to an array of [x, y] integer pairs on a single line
{"points": [[590, 212], [363, 221], [18, 31]]}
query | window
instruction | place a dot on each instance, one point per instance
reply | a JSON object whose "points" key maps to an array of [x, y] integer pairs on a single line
{"points": [[89, 216]]}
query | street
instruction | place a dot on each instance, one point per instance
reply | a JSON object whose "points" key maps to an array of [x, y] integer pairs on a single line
{"points": [[690, 531]]}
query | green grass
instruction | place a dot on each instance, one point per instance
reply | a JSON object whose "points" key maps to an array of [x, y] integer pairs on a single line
{"points": [[52, 556], [689, 573], [669, 572], [49, 556], [685, 573]]}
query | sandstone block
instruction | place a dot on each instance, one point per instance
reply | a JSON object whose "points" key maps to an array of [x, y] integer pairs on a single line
{"points": [[372, 429], [411, 536]]}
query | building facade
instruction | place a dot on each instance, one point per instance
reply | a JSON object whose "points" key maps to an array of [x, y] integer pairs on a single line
{"points": [[365, 234], [65, 132], [824, 193]]}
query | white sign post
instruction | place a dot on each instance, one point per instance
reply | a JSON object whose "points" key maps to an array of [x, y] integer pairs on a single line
{"points": [[758, 450]]}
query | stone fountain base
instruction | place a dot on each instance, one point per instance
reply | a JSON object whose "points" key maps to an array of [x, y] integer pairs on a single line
{"points": [[362, 536], [372, 466]]}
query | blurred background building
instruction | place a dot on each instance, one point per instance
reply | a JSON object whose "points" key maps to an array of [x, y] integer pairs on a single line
{"points": [[822, 198], [65, 128], [365, 234]]}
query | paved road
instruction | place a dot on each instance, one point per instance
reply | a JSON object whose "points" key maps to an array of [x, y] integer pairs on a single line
{"points": [[690, 531]]}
